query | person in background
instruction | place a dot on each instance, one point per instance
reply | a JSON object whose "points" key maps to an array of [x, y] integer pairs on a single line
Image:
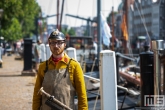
{"points": [[1, 52], [14, 46], [37, 54], [60, 76]]}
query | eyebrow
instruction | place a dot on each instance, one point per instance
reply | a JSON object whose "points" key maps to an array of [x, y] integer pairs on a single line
{"points": [[57, 41]]}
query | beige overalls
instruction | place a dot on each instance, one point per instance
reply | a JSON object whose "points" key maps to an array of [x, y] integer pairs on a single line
{"points": [[58, 86]]}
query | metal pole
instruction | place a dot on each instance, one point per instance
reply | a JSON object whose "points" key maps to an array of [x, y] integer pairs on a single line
{"points": [[117, 68], [1, 13], [88, 28], [58, 2], [99, 28], [61, 14], [36, 20], [0, 31], [156, 47], [113, 29]]}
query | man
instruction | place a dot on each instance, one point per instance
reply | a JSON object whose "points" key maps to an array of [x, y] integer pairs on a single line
{"points": [[63, 77], [37, 54]]}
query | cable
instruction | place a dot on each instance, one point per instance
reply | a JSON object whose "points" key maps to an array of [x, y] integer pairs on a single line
{"points": [[93, 8], [94, 108], [143, 22], [67, 11], [142, 14], [49, 6], [77, 11]]}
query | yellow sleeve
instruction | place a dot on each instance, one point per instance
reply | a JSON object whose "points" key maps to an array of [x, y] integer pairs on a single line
{"points": [[80, 88], [37, 97]]}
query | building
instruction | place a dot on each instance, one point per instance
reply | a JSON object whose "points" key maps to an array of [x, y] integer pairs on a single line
{"points": [[147, 18]]}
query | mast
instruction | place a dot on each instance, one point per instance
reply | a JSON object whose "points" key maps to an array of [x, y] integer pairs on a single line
{"points": [[62, 8], [113, 29], [58, 2], [99, 40]]}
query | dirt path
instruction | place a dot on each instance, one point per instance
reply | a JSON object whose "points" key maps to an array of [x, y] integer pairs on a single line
{"points": [[16, 91]]}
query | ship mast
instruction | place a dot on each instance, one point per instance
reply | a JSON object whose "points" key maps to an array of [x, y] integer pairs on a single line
{"points": [[99, 28], [58, 3], [62, 8], [113, 30]]}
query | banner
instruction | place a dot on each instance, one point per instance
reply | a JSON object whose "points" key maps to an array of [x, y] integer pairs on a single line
{"points": [[105, 29], [124, 28]]}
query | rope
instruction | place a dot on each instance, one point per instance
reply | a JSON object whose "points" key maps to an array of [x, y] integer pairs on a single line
{"points": [[93, 10], [49, 6], [143, 22], [94, 108], [67, 11], [77, 11]]}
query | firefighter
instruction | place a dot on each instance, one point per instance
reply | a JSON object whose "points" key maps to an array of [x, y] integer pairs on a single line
{"points": [[60, 76]]}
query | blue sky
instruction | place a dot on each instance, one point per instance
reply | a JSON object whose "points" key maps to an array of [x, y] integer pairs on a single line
{"points": [[82, 8]]}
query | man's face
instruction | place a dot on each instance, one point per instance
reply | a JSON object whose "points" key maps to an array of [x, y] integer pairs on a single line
{"points": [[57, 46]]}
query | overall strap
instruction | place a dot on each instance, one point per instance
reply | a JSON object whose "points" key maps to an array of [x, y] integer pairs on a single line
{"points": [[46, 68]]}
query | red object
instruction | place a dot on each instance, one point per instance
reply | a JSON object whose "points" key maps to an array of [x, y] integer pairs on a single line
{"points": [[66, 60], [56, 59]]}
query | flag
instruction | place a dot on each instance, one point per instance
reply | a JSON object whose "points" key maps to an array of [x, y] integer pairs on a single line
{"points": [[124, 28], [105, 31]]}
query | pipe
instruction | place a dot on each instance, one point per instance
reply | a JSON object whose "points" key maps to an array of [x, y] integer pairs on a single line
{"points": [[130, 78]]}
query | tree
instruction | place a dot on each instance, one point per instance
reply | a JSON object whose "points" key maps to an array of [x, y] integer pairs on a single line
{"points": [[18, 20], [71, 31], [64, 30], [67, 31], [14, 31]]}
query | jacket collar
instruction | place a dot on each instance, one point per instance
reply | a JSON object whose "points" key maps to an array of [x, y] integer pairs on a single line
{"points": [[64, 59]]}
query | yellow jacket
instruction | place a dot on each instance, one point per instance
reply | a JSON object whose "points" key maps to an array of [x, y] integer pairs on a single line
{"points": [[76, 77]]}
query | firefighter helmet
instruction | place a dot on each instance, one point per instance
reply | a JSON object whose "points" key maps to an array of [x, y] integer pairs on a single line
{"points": [[57, 35]]}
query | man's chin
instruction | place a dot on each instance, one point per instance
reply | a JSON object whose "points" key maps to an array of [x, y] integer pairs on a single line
{"points": [[57, 53]]}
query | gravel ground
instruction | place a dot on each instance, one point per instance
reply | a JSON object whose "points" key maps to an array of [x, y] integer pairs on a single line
{"points": [[16, 91]]}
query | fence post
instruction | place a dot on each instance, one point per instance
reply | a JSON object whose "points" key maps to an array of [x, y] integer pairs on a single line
{"points": [[108, 83], [71, 52]]}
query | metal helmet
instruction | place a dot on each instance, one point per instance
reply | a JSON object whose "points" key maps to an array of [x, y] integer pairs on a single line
{"points": [[57, 35]]}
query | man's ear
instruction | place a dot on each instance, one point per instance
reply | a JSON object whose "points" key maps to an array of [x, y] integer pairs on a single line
{"points": [[65, 45], [48, 41]]}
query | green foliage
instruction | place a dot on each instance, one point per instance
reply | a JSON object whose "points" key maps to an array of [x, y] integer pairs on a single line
{"points": [[18, 18], [109, 18], [14, 31], [71, 32], [68, 31], [64, 30], [85, 33]]}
